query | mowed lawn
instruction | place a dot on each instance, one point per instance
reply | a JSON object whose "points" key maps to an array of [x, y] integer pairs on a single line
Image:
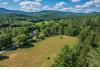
{"points": [[37, 56]]}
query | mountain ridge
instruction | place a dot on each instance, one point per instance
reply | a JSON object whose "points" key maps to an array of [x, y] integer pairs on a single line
{"points": [[44, 12]]}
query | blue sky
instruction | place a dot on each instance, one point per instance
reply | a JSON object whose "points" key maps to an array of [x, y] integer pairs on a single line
{"points": [[77, 6]]}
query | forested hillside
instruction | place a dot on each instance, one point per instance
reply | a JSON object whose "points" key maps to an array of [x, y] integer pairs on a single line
{"points": [[18, 30]]}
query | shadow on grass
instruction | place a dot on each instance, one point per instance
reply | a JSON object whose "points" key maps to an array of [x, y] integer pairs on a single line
{"points": [[4, 57], [27, 45]]}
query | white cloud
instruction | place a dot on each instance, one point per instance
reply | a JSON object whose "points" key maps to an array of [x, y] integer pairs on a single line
{"points": [[30, 5], [66, 9], [75, 0], [88, 4], [87, 7], [88, 11], [4, 3], [60, 5], [46, 8], [16, 0], [34, 5], [38, 0]]}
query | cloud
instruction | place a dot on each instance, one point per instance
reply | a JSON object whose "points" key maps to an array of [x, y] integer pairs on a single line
{"points": [[88, 11], [60, 5], [38, 0], [88, 4], [30, 5], [34, 5], [66, 9], [46, 8], [75, 0], [16, 1], [4, 3]]}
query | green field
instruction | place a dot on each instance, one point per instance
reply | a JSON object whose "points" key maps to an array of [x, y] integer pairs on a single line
{"points": [[38, 55]]}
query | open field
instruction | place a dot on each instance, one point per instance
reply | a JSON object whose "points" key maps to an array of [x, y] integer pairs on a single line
{"points": [[42, 54]]}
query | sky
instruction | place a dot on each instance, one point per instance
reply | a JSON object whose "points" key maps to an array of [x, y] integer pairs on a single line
{"points": [[77, 6]]}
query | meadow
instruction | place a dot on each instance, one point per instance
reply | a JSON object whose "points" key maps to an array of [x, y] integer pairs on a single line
{"points": [[42, 54]]}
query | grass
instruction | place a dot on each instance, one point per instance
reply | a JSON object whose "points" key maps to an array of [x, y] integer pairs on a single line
{"points": [[41, 55]]}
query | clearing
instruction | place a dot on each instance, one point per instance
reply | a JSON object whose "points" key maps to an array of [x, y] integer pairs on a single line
{"points": [[41, 55]]}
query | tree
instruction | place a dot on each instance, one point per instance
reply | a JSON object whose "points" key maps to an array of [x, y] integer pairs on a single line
{"points": [[64, 58], [72, 30], [20, 40], [5, 41], [86, 52]]}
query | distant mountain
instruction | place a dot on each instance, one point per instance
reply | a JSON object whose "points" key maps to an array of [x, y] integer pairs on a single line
{"points": [[53, 13], [44, 12], [60, 13], [7, 11], [41, 13]]}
